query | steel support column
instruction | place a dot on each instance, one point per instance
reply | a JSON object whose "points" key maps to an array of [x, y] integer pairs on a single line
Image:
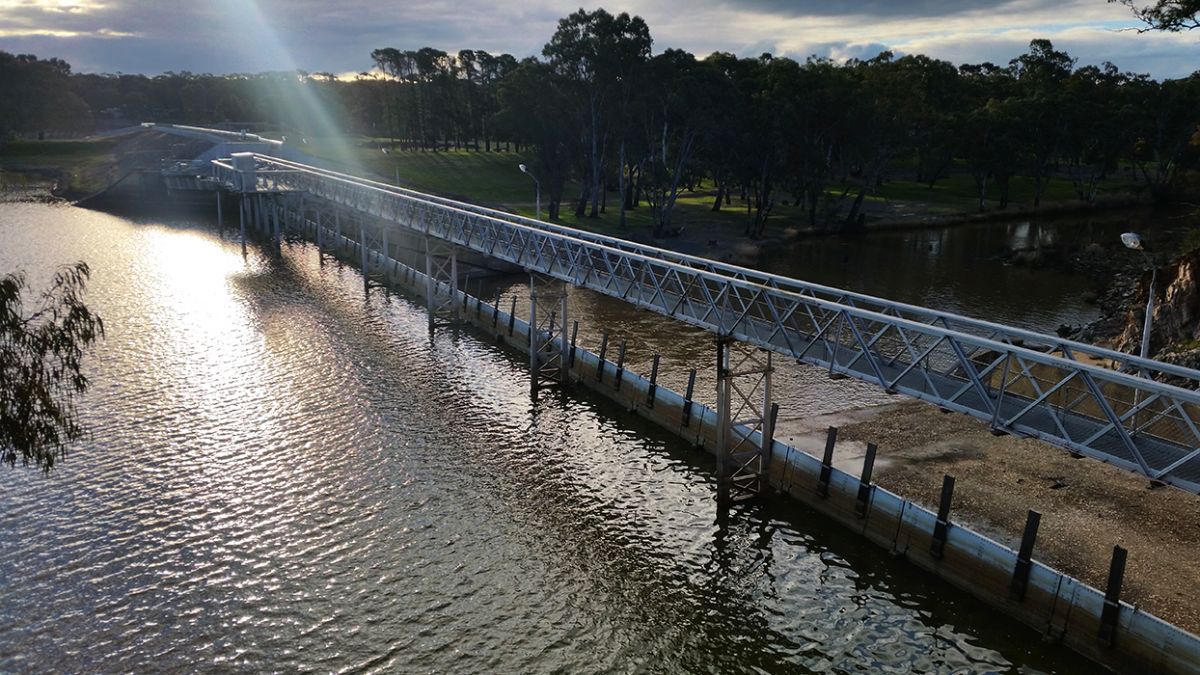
{"points": [[441, 282], [242, 219], [548, 340], [362, 252], [383, 246], [299, 221], [743, 408]]}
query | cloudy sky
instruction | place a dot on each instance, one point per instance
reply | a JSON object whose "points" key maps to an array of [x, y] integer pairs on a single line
{"points": [[152, 36]]}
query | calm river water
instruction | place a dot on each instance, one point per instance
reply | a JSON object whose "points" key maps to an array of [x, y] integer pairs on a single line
{"points": [[287, 474]]}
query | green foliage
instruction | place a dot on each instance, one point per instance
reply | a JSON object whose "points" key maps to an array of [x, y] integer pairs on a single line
{"points": [[41, 366], [1166, 15], [36, 94], [1191, 241], [85, 164], [817, 141]]}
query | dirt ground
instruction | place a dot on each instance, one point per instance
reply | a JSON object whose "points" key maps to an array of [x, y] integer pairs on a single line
{"points": [[1087, 506]]}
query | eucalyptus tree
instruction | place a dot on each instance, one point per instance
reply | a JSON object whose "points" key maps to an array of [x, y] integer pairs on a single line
{"points": [[42, 350], [1166, 15], [1167, 129], [492, 71], [720, 154], [677, 117], [400, 66], [935, 97], [1042, 106], [595, 53], [878, 130], [988, 128], [532, 101], [1098, 132], [36, 94]]}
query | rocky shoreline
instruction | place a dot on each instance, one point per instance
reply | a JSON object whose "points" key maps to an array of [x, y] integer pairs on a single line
{"points": [[1125, 281], [24, 190]]}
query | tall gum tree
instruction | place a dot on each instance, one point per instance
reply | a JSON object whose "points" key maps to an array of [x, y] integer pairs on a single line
{"points": [[595, 52]]}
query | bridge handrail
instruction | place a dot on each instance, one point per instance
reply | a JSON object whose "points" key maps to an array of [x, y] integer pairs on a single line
{"points": [[197, 132], [1069, 348], [979, 341], [1052, 397]]}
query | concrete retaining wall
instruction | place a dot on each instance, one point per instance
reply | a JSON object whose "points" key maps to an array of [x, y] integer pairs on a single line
{"points": [[1059, 606]]}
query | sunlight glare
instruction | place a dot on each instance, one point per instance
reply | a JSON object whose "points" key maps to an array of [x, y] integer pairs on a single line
{"points": [[247, 18]]}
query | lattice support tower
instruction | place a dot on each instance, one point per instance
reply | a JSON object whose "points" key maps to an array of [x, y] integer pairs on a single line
{"points": [[548, 340], [744, 433], [441, 283]]}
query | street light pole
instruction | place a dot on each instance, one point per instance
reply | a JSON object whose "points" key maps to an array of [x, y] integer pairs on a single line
{"points": [[537, 188], [1149, 314], [1134, 241]]}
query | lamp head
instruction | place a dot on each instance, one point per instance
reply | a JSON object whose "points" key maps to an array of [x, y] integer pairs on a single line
{"points": [[523, 168], [1133, 241]]}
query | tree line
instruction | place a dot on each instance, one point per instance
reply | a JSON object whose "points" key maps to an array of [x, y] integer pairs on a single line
{"points": [[600, 113]]}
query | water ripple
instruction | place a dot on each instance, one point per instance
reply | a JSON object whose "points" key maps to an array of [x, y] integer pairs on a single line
{"points": [[287, 475]]}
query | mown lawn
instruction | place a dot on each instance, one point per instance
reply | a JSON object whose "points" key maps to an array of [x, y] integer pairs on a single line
{"points": [[82, 161], [492, 178], [956, 193]]}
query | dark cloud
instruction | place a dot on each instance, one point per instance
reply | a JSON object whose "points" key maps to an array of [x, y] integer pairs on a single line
{"points": [[881, 9], [338, 35]]}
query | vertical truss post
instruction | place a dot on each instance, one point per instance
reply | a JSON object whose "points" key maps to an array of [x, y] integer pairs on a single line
{"points": [[743, 408], [220, 214], [362, 251], [549, 345], [383, 230], [299, 221], [441, 282], [242, 220]]}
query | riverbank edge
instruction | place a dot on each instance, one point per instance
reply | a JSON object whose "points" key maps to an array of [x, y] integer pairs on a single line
{"points": [[782, 233], [1059, 606], [1050, 210]]}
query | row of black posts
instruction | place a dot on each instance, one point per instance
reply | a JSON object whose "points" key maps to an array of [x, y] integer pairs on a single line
{"points": [[1024, 564], [937, 546]]}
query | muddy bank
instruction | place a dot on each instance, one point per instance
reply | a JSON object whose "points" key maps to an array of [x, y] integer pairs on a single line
{"points": [[1087, 506], [38, 186], [79, 169], [719, 240], [1052, 210], [1172, 268]]}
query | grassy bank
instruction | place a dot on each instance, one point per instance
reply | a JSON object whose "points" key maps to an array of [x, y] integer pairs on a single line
{"points": [[492, 178], [82, 167]]}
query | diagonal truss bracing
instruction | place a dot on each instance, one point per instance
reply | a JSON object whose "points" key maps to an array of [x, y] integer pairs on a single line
{"points": [[1017, 381], [744, 409]]}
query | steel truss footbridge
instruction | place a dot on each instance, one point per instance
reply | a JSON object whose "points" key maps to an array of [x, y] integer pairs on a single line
{"points": [[1085, 399]]}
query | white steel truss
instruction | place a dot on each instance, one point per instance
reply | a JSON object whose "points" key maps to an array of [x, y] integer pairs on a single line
{"points": [[441, 282], [1018, 381], [744, 432], [548, 340]]}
